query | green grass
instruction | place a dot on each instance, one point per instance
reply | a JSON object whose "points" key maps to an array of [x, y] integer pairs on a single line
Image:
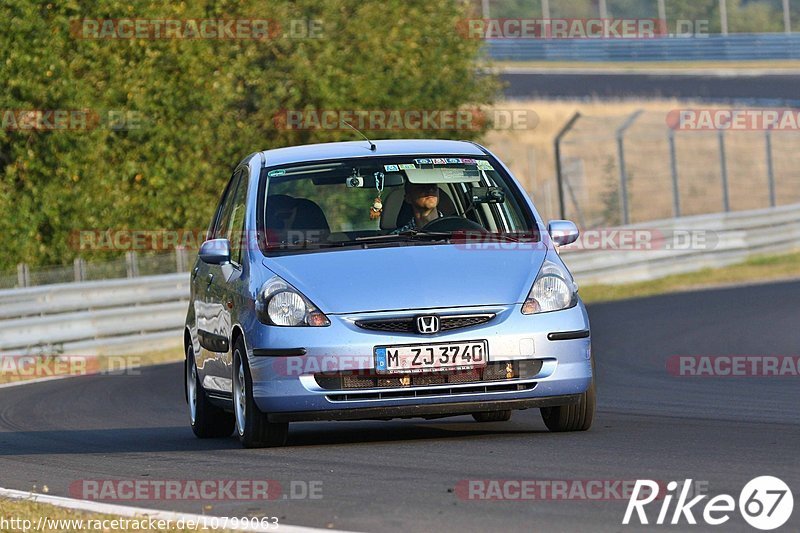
{"points": [[756, 269]]}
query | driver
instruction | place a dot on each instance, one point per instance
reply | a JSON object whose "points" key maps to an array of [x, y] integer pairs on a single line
{"points": [[424, 201]]}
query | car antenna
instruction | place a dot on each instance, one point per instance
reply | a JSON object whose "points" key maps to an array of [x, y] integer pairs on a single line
{"points": [[371, 144]]}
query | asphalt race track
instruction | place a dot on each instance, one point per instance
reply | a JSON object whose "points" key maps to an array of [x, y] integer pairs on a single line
{"points": [[768, 89], [401, 475]]}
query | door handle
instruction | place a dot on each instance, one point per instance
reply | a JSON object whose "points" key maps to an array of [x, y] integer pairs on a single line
{"points": [[210, 279], [194, 272]]}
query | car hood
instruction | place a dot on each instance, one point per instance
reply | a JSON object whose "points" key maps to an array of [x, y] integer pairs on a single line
{"points": [[410, 277]]}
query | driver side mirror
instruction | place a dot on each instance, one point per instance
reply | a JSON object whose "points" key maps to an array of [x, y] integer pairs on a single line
{"points": [[215, 251], [563, 232]]}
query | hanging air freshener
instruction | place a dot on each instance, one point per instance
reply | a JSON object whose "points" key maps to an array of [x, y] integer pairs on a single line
{"points": [[377, 205]]}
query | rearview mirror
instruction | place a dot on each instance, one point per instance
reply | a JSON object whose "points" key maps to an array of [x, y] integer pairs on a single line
{"points": [[488, 195], [563, 232], [215, 251]]}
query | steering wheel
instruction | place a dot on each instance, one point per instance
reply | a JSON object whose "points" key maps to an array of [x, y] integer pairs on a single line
{"points": [[453, 223]]}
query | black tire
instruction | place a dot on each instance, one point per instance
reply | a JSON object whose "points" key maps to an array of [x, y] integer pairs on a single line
{"points": [[209, 421], [573, 417], [258, 431], [493, 416]]}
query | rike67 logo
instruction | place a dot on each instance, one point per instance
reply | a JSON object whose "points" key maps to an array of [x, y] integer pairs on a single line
{"points": [[765, 503]]}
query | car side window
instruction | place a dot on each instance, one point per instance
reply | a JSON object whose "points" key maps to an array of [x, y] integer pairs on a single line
{"points": [[226, 209], [235, 231]]}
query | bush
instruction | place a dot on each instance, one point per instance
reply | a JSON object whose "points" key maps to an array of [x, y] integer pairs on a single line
{"points": [[201, 105]]}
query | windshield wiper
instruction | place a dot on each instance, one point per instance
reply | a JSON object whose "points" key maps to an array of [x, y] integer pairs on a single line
{"points": [[306, 245], [408, 235], [503, 237]]}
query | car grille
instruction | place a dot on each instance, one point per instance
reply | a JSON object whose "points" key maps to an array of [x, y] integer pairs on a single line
{"points": [[369, 379], [408, 324], [421, 393]]}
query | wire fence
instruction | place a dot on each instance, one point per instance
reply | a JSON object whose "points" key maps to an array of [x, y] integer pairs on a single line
{"points": [[609, 171], [620, 170], [132, 265], [717, 16]]}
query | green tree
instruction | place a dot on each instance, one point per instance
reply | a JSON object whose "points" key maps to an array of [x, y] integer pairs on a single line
{"points": [[202, 104]]}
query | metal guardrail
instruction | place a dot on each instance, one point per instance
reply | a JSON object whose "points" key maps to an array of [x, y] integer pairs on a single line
{"points": [[729, 238], [128, 314], [737, 47], [85, 316]]}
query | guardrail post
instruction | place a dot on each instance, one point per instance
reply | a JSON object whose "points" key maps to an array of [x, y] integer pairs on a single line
{"points": [[623, 173], [673, 164], [132, 264], [181, 259], [723, 164], [787, 17], [559, 175], [770, 168], [603, 8], [23, 275], [723, 17], [80, 269], [546, 19]]}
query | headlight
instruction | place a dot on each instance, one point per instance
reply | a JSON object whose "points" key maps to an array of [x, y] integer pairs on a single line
{"points": [[553, 289], [280, 304]]}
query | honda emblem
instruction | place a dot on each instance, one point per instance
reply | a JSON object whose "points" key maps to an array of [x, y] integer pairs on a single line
{"points": [[428, 324]]}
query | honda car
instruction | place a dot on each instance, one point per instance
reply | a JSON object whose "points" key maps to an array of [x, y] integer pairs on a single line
{"points": [[382, 280]]}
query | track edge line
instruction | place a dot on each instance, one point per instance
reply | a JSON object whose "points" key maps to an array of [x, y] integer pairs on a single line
{"points": [[132, 512]]}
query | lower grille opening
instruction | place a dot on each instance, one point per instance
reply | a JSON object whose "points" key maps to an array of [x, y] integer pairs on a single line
{"points": [[493, 372], [421, 393]]}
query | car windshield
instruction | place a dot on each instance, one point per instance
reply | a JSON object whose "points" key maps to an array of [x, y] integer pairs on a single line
{"points": [[391, 201]]}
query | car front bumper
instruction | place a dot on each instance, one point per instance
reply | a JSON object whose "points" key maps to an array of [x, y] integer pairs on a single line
{"points": [[284, 385]]}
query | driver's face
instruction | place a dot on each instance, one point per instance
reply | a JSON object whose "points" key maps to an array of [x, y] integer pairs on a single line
{"points": [[423, 196]]}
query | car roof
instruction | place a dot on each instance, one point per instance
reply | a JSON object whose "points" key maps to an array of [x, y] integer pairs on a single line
{"points": [[340, 150]]}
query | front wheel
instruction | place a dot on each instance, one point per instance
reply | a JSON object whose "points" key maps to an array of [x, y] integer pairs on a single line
{"points": [[573, 417], [208, 420], [253, 427]]}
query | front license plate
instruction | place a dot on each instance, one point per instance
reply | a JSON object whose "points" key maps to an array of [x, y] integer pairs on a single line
{"points": [[410, 358]]}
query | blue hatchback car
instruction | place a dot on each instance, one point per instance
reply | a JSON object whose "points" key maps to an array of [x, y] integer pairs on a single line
{"points": [[395, 279]]}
